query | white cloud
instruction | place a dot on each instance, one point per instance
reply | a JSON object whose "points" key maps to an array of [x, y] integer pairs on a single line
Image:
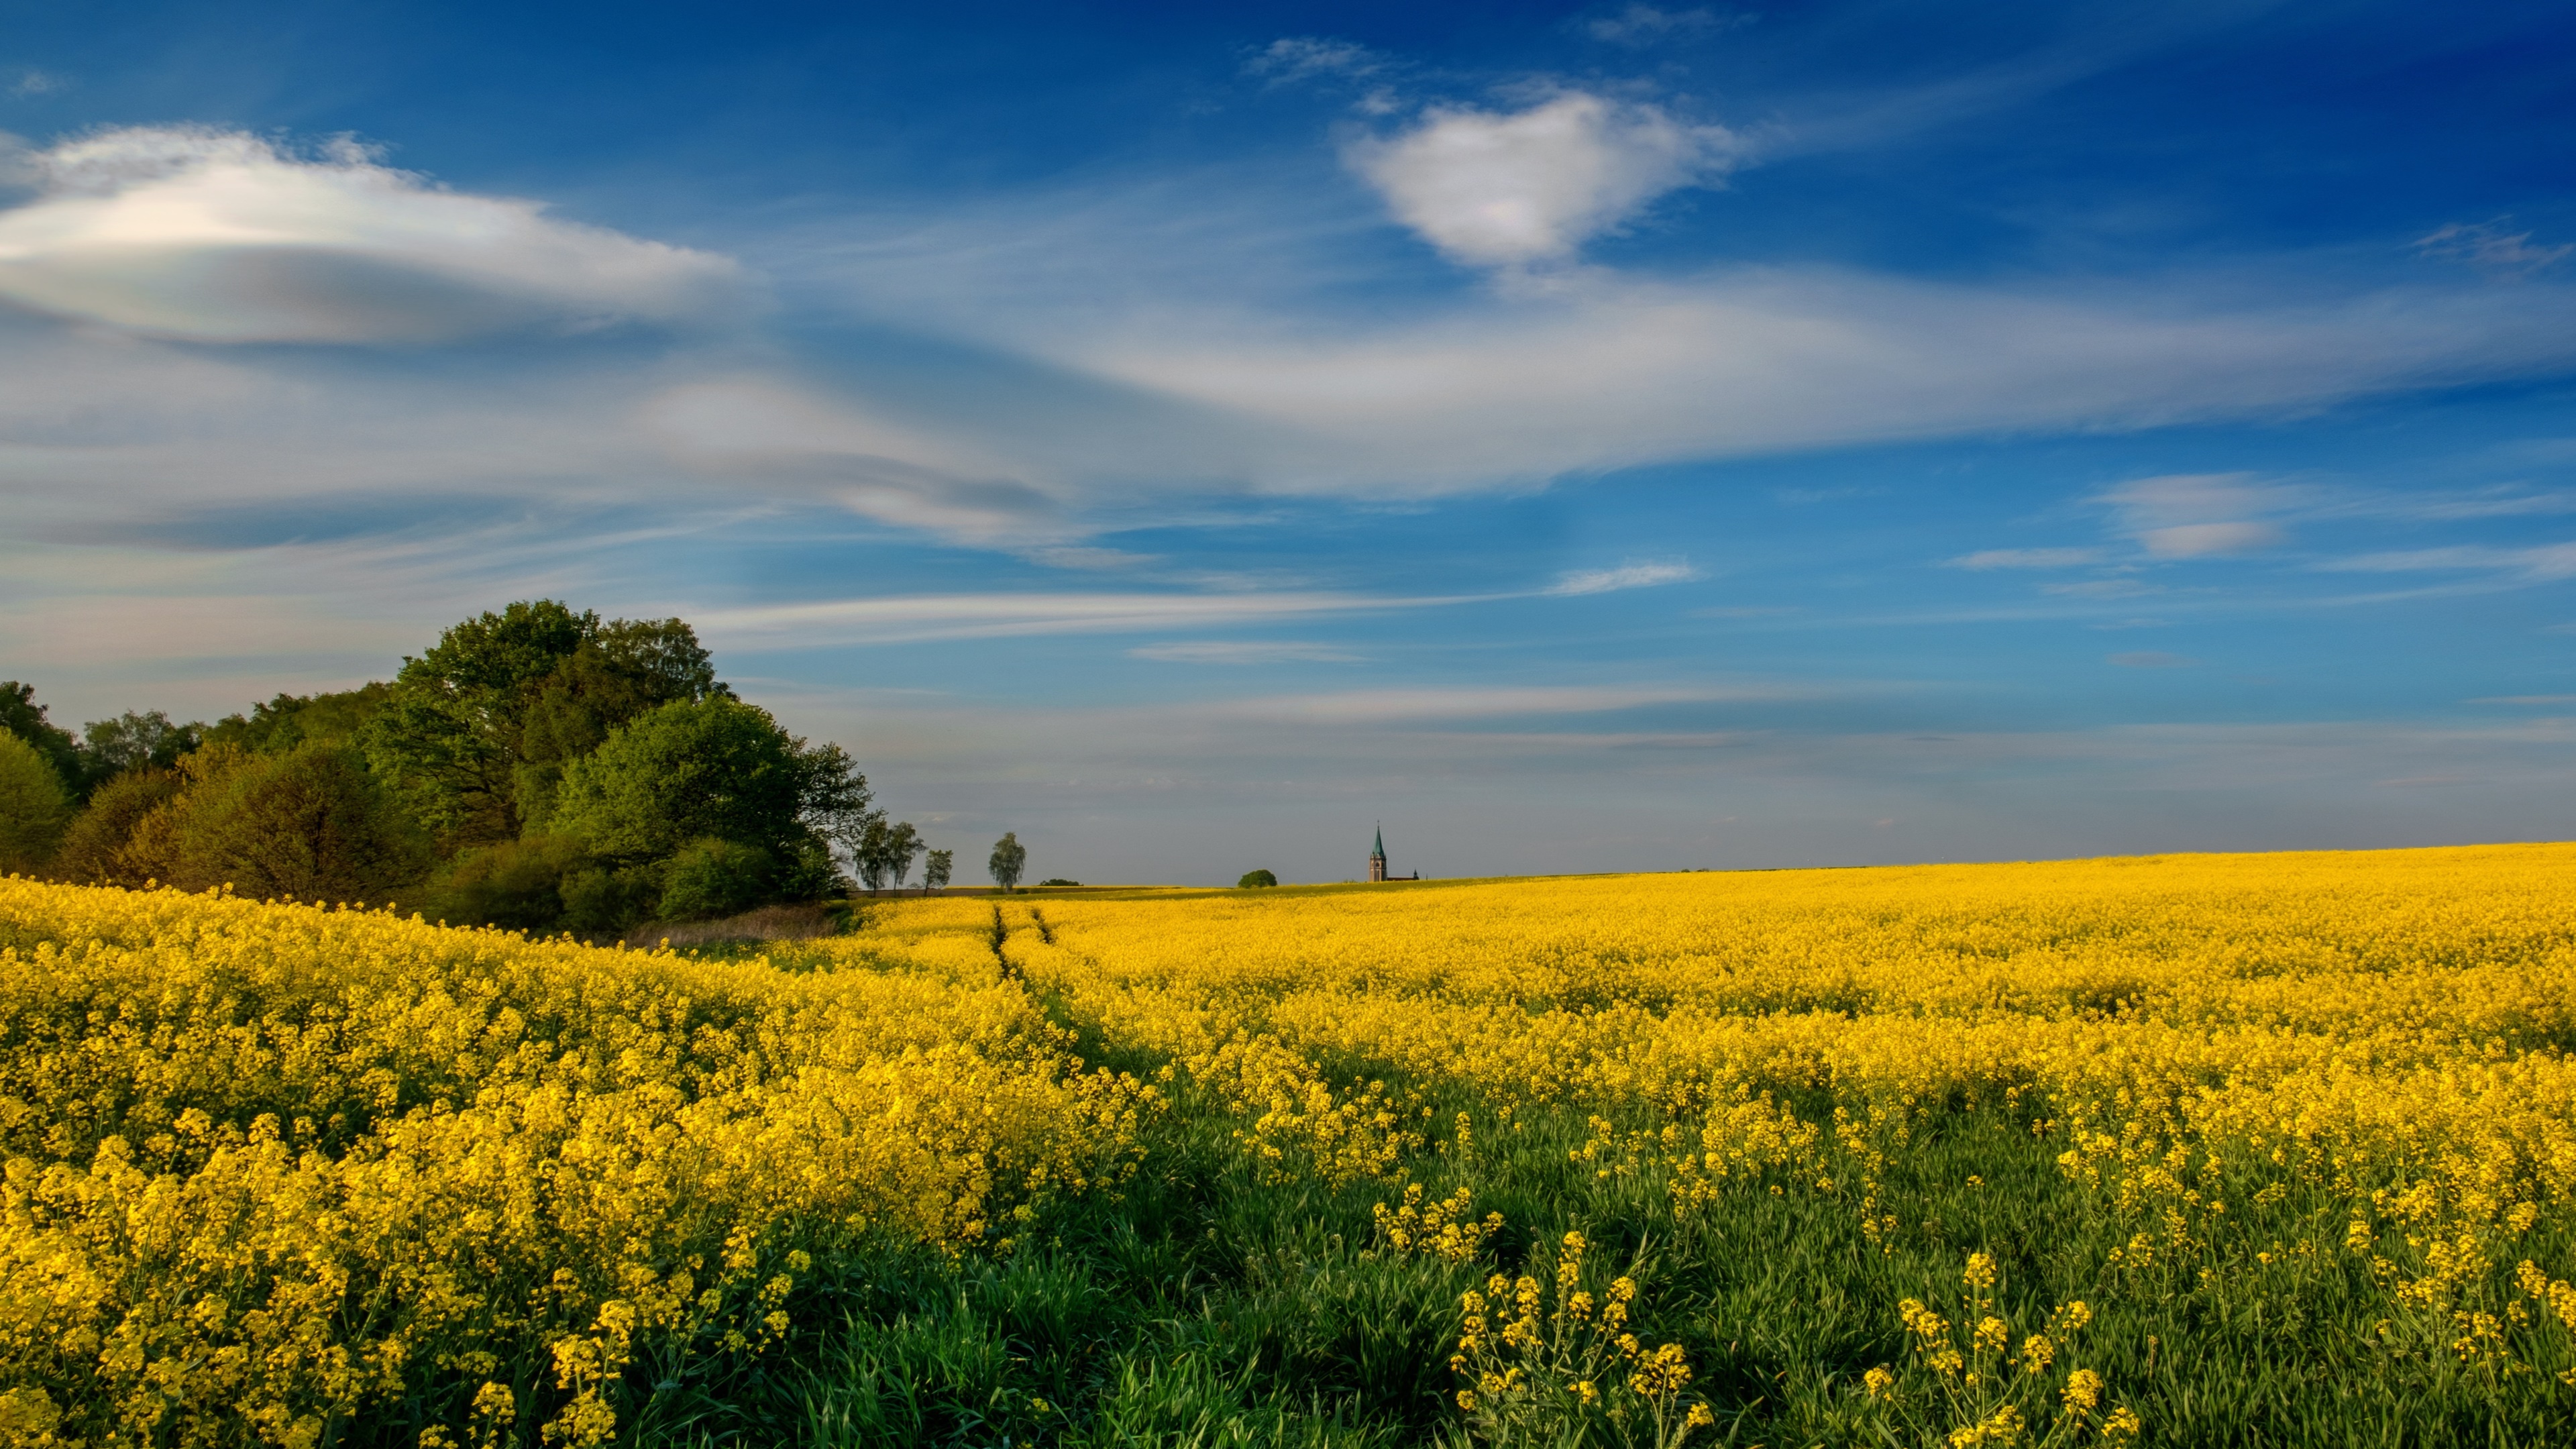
{"points": [[2112, 588], [1608, 372], [1243, 651], [221, 236], [1403, 706], [1304, 57], [1626, 576], [32, 82], [2026, 558], [2537, 564], [1090, 560], [1512, 189], [2489, 247], [2210, 540], [1642, 25], [906, 617], [795, 438], [2203, 515]]}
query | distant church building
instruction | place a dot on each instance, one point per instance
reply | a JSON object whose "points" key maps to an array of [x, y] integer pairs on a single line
{"points": [[1377, 861]]}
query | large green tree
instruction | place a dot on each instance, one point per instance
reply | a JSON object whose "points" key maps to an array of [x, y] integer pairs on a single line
{"points": [[20, 715], [314, 823], [1009, 860], [98, 849], [34, 807], [135, 740], [289, 720], [475, 733], [713, 768]]}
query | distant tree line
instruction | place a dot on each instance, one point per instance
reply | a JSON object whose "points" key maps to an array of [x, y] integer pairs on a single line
{"points": [[537, 768]]}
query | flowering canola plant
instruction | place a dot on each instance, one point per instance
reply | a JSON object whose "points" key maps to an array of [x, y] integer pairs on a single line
{"points": [[275, 1169], [2253, 1065]]}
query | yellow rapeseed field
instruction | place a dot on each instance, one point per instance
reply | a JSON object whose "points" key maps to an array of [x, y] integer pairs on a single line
{"points": [[275, 1170]]}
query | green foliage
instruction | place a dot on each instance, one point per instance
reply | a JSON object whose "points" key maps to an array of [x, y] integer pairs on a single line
{"points": [[717, 767], [134, 741], [514, 884], [624, 669], [607, 903], [711, 877], [811, 875], [477, 731], [294, 719], [1252, 878], [448, 735], [35, 806], [98, 849], [935, 869], [836, 799], [312, 823], [885, 853], [21, 716], [1057, 880], [509, 742], [1008, 860]]}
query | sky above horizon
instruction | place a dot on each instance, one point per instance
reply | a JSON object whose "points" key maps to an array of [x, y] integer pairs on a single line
{"points": [[1610, 437]]}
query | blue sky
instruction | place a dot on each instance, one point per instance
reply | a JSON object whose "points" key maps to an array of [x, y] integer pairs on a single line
{"points": [[1583, 438]]}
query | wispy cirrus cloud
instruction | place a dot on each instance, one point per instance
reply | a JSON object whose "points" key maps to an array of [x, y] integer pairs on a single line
{"points": [[2538, 563], [1409, 706], [2203, 515], [896, 618], [1607, 371], [2491, 247], [1625, 576], [1645, 25], [2026, 558], [1293, 58], [1244, 651], [908, 617]]}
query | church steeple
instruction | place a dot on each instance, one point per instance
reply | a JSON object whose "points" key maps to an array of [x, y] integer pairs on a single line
{"points": [[1377, 856]]}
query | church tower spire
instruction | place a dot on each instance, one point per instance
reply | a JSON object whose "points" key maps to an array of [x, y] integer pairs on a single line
{"points": [[1377, 856]]}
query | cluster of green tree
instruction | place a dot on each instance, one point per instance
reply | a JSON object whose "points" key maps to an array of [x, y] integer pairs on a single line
{"points": [[537, 768]]}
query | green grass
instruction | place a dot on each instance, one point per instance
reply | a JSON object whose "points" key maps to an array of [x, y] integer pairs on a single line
{"points": [[1204, 1307]]}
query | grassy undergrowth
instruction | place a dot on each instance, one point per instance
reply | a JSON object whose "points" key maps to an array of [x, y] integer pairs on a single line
{"points": [[2274, 1151], [1204, 1306]]}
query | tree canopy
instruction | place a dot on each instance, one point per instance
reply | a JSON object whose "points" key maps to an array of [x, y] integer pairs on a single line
{"points": [[34, 806], [537, 767], [476, 732], [22, 717], [711, 768], [289, 720], [1008, 860], [135, 741], [312, 823]]}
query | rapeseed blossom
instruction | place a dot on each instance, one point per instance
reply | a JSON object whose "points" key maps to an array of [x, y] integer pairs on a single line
{"points": [[273, 1168]]}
